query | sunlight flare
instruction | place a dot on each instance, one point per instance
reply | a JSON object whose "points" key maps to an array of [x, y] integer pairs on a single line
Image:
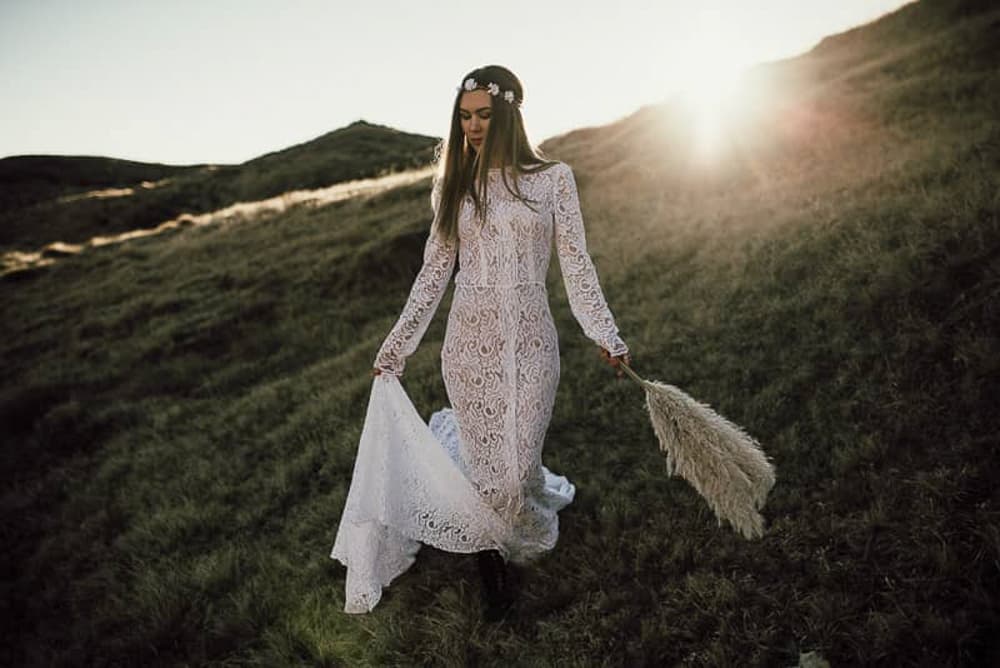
{"points": [[708, 86]]}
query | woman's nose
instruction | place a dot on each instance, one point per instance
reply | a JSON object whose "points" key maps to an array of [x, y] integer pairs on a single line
{"points": [[474, 123]]}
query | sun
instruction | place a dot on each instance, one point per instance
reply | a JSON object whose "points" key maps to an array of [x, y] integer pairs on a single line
{"points": [[708, 81], [710, 100]]}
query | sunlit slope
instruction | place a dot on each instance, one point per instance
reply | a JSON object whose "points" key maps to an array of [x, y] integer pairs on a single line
{"points": [[863, 108], [183, 411], [47, 199]]}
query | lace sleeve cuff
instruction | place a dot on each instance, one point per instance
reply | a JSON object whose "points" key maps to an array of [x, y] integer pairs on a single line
{"points": [[617, 347]]}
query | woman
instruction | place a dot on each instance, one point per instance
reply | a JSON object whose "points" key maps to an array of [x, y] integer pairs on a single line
{"points": [[498, 206]]}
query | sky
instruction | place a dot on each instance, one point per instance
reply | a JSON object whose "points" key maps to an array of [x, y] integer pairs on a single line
{"points": [[224, 81]]}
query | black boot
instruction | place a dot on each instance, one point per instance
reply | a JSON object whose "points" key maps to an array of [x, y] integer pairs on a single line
{"points": [[497, 591]]}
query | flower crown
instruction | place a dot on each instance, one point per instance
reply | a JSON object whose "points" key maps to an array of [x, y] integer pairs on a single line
{"points": [[492, 88]]}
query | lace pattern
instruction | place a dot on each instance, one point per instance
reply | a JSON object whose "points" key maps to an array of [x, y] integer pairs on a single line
{"points": [[408, 488], [585, 296], [500, 364], [425, 295]]}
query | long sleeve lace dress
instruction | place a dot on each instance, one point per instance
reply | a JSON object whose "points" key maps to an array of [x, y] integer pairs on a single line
{"points": [[473, 478]]}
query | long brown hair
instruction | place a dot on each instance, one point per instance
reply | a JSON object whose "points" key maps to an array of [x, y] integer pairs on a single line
{"points": [[463, 171]]}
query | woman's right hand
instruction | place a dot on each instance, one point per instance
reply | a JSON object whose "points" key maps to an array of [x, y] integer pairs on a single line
{"points": [[376, 371]]}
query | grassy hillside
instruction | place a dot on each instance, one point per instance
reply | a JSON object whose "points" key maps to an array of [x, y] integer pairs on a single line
{"points": [[181, 413], [45, 199], [26, 180]]}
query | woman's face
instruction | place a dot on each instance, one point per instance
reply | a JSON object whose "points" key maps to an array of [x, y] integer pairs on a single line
{"points": [[474, 111]]}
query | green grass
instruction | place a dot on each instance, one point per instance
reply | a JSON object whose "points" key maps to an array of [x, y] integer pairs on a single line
{"points": [[33, 211], [181, 413]]}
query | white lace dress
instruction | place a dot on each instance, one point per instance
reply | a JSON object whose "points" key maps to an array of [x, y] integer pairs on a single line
{"points": [[473, 478]]}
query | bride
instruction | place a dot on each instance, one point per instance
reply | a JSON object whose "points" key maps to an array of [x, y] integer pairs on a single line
{"points": [[473, 480]]}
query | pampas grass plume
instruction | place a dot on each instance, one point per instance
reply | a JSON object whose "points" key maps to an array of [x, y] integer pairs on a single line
{"points": [[720, 460]]}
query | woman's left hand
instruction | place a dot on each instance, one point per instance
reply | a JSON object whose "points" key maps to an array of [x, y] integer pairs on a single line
{"points": [[616, 361]]}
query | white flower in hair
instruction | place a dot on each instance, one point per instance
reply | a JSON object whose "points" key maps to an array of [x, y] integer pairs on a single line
{"points": [[470, 84], [493, 89], [508, 95]]}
